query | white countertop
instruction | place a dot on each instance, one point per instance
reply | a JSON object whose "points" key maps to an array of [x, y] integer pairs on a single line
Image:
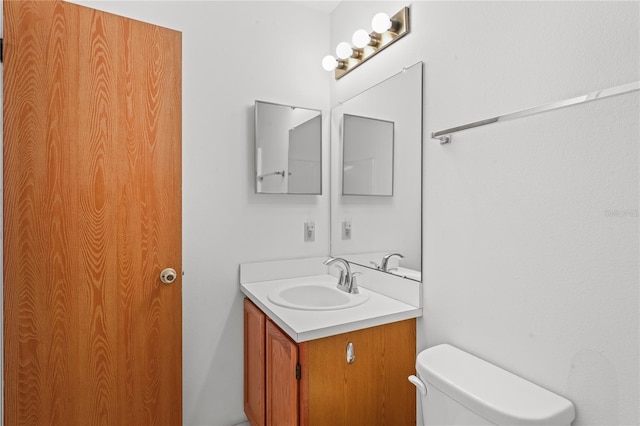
{"points": [[303, 325]]}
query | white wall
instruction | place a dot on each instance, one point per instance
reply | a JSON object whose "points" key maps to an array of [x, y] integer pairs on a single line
{"points": [[233, 54], [530, 227]]}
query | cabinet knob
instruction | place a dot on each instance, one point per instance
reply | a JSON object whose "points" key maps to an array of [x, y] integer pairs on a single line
{"points": [[351, 356]]}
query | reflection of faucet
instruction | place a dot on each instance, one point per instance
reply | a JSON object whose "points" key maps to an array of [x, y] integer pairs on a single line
{"points": [[347, 281], [385, 260]]}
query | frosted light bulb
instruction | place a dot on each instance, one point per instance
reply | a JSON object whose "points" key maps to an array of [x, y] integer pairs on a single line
{"points": [[344, 50], [381, 22], [361, 39], [329, 63]]}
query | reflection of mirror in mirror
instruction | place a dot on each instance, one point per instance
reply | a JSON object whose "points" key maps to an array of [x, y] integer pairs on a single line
{"points": [[377, 227], [367, 159], [288, 149]]}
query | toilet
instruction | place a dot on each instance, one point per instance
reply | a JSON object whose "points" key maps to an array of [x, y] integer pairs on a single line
{"points": [[457, 388]]}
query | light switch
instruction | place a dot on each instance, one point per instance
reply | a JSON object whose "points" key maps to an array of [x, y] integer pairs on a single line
{"points": [[309, 231], [346, 229]]}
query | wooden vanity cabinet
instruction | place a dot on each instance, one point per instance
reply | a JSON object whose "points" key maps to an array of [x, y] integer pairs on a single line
{"points": [[282, 378], [254, 364], [312, 384]]}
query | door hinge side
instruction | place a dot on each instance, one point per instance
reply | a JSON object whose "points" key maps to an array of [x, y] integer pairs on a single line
{"points": [[298, 371], [1, 52]]}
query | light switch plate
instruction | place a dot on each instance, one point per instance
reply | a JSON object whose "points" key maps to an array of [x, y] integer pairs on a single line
{"points": [[346, 229], [309, 231]]}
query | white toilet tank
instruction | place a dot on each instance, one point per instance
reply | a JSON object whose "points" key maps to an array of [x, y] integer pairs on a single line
{"points": [[462, 389]]}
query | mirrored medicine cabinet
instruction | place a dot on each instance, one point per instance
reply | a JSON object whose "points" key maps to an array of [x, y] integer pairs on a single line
{"points": [[288, 149], [376, 175]]}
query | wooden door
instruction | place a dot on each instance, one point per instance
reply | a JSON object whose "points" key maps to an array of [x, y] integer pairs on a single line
{"points": [[282, 384], [373, 390], [254, 364], [92, 179]]}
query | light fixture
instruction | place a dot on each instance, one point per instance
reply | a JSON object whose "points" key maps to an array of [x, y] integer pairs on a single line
{"points": [[329, 63], [381, 23], [386, 30], [344, 50], [362, 38]]}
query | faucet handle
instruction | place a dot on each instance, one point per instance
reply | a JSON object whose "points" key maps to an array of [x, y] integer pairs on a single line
{"points": [[355, 283], [375, 264]]}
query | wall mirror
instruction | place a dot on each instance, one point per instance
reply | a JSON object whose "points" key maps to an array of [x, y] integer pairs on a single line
{"points": [[367, 156], [288, 149], [366, 229]]}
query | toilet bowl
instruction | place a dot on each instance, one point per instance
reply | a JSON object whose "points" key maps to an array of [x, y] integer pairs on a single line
{"points": [[457, 388]]}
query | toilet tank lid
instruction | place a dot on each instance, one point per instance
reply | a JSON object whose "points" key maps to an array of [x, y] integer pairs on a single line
{"points": [[494, 393]]}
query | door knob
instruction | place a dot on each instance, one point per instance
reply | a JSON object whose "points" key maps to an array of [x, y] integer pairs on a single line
{"points": [[168, 275]]}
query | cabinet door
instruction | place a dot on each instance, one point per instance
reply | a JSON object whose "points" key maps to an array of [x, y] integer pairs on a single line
{"points": [[254, 365], [282, 384], [373, 390]]}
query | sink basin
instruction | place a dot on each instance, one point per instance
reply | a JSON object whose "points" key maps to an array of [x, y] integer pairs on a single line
{"points": [[316, 297]]}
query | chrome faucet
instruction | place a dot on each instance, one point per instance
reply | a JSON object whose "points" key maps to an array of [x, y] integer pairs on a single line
{"points": [[346, 281], [385, 260]]}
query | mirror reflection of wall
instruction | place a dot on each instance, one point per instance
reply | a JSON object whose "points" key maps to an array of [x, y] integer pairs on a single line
{"points": [[364, 229], [304, 157], [288, 149], [367, 159]]}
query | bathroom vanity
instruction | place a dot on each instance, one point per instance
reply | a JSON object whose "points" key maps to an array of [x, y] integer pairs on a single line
{"points": [[315, 355], [327, 366], [313, 382]]}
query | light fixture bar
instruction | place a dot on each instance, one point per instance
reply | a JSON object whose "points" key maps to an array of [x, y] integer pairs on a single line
{"points": [[400, 28]]}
